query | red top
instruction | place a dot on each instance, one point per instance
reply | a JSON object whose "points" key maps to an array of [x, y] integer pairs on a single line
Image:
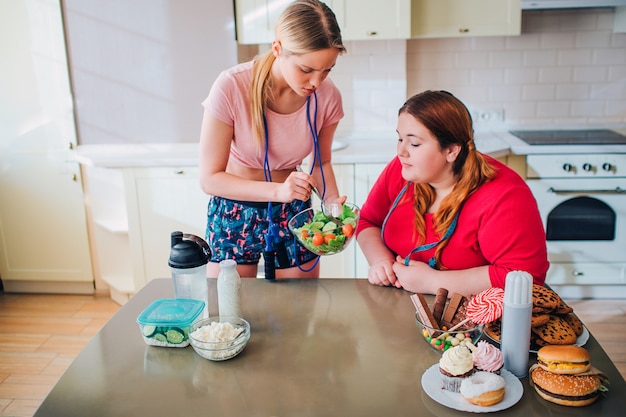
{"points": [[499, 225]]}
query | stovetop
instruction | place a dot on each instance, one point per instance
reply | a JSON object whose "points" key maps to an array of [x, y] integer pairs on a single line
{"points": [[570, 137]]}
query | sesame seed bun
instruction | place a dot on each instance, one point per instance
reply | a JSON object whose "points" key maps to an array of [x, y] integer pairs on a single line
{"points": [[564, 359], [570, 390]]}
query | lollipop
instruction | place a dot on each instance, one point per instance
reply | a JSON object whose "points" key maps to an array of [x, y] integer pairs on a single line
{"points": [[485, 307]]}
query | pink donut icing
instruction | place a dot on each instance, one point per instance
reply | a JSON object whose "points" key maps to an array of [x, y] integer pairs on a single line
{"points": [[487, 357], [486, 306]]}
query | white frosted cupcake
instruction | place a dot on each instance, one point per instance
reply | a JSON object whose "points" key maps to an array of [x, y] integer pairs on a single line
{"points": [[455, 365]]}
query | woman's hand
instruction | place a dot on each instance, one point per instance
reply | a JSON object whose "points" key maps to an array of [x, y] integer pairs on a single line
{"points": [[382, 274], [411, 277], [297, 186]]}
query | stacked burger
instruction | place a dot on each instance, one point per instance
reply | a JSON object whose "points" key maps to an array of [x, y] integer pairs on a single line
{"points": [[563, 375]]}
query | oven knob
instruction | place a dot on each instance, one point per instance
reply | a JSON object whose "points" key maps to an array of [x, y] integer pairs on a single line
{"points": [[587, 167], [607, 167], [567, 167]]}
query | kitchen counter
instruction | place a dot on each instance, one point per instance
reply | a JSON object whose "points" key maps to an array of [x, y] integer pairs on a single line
{"points": [[327, 347], [517, 146], [350, 148]]}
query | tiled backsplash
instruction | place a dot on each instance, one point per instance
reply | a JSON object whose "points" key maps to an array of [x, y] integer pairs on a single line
{"points": [[566, 68], [372, 80]]}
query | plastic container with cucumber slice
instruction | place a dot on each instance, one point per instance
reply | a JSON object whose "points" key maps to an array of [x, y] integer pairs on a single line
{"points": [[166, 321]]}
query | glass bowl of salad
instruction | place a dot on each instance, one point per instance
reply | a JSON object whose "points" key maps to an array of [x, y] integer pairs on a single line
{"points": [[325, 231]]}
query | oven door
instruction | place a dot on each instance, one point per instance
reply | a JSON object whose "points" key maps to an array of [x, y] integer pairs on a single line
{"points": [[585, 223]]}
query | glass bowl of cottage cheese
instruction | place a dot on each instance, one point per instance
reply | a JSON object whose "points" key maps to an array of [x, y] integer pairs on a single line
{"points": [[219, 338]]}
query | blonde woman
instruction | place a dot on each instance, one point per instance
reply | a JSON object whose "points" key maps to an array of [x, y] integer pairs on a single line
{"points": [[442, 214], [262, 119]]}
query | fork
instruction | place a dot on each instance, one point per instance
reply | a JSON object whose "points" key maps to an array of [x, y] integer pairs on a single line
{"points": [[326, 210]]}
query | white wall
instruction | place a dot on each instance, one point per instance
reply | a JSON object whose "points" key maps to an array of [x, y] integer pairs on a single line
{"points": [[140, 69], [567, 67]]}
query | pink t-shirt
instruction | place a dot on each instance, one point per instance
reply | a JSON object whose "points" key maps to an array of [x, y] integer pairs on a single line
{"points": [[290, 139]]}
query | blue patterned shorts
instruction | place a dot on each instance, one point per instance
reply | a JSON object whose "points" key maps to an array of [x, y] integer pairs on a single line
{"points": [[237, 230]]}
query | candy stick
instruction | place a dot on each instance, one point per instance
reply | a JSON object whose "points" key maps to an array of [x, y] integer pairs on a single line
{"points": [[424, 313]]}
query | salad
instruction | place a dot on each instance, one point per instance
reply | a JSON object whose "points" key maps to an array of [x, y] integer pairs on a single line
{"points": [[322, 236]]}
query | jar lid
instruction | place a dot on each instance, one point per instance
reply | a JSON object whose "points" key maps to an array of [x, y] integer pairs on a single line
{"points": [[173, 312]]}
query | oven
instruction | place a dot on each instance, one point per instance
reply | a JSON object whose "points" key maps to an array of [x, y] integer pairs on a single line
{"points": [[582, 201]]}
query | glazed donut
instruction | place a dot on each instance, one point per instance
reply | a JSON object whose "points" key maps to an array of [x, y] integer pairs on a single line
{"points": [[483, 388]]}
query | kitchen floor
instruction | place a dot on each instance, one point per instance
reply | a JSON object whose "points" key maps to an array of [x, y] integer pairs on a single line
{"points": [[40, 335]]}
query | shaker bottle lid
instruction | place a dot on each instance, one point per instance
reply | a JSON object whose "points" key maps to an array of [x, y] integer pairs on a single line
{"points": [[188, 251]]}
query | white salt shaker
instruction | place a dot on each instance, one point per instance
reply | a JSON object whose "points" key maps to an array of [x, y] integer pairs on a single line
{"points": [[516, 316], [229, 289]]}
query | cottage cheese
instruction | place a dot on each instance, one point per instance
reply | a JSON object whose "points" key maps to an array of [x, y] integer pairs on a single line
{"points": [[216, 339]]}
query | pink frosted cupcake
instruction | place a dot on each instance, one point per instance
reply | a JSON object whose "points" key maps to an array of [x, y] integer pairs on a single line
{"points": [[454, 366], [487, 357]]}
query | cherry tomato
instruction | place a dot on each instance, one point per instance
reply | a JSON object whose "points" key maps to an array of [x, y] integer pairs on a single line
{"points": [[347, 229], [304, 233], [318, 239], [329, 237]]}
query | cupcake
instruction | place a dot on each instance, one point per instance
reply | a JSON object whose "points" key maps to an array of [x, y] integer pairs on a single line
{"points": [[455, 365], [487, 357]]}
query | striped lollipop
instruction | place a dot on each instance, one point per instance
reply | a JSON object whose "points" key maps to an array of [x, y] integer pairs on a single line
{"points": [[486, 306]]}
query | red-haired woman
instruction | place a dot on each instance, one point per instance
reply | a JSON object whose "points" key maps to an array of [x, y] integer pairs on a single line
{"points": [[443, 215]]}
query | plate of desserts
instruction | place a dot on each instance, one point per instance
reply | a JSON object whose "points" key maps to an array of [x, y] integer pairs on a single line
{"points": [[433, 386], [553, 322]]}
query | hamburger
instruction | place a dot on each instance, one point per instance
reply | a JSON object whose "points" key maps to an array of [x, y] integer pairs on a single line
{"points": [[570, 390], [564, 359]]}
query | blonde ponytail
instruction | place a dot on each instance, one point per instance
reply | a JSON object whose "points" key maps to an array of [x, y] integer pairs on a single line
{"points": [[260, 90]]}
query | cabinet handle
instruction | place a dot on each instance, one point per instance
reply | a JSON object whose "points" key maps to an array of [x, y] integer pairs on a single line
{"points": [[616, 190], [179, 172], [372, 33], [71, 146], [463, 30]]}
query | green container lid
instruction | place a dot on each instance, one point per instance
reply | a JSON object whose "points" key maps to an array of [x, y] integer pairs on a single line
{"points": [[175, 312]]}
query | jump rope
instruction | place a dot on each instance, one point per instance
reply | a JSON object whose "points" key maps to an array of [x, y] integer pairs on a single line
{"points": [[274, 244], [432, 262]]}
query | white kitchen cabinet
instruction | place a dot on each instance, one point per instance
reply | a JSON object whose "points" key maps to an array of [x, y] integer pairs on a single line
{"points": [[365, 175], [373, 19], [160, 201], [134, 210], [44, 245], [358, 19], [460, 18]]}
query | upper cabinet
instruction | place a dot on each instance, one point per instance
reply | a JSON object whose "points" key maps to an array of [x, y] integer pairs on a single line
{"points": [[396, 19], [373, 19], [458, 18], [358, 19]]}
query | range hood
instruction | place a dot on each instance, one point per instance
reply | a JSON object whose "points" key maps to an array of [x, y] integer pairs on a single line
{"points": [[569, 4]]}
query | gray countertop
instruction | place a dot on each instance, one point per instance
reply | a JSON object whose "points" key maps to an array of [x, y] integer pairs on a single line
{"points": [[350, 148], [327, 347]]}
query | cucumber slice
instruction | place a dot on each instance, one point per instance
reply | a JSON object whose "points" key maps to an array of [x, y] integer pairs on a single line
{"points": [[328, 227], [148, 330], [160, 337], [174, 336], [316, 225]]}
